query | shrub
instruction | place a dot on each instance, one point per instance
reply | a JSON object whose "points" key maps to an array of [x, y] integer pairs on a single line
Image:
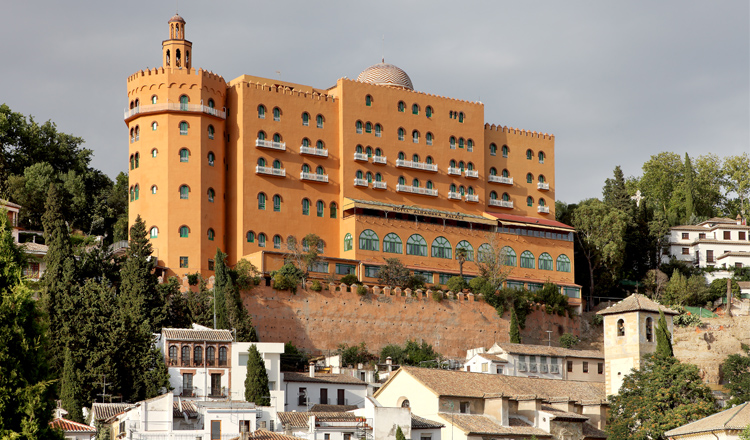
{"points": [[687, 319], [568, 340], [480, 285], [287, 277], [414, 282], [437, 295], [316, 286], [597, 320], [457, 284], [193, 278], [361, 290], [349, 279]]}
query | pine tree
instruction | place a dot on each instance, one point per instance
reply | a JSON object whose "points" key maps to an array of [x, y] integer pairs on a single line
{"points": [[663, 338], [400, 434], [515, 331], [69, 389], [615, 193], [256, 381]]}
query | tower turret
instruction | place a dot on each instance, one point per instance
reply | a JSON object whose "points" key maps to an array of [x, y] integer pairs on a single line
{"points": [[176, 50]]}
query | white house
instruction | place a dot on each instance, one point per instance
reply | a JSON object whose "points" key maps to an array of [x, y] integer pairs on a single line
{"points": [[271, 353], [302, 391], [73, 430], [726, 425]]}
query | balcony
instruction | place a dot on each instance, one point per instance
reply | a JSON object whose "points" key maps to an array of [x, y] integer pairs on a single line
{"points": [[454, 171], [474, 174], [278, 172], [261, 143], [500, 179], [554, 369], [544, 186], [379, 185], [323, 178], [502, 203], [416, 165], [187, 392], [543, 209], [360, 182], [379, 159], [472, 198], [417, 190], [454, 195], [360, 157], [174, 106], [313, 151]]}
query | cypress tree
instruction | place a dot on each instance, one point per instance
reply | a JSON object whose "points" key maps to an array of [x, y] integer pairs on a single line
{"points": [[515, 331], [400, 434], [138, 290], [256, 380], [663, 338], [223, 287], [688, 190], [70, 390]]}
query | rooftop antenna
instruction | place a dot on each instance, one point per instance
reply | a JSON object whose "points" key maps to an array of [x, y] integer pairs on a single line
{"points": [[104, 385], [382, 48]]}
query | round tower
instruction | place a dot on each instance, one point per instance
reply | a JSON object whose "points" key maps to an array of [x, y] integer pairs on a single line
{"points": [[176, 133]]}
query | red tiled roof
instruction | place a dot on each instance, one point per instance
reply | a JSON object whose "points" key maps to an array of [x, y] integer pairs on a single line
{"points": [[322, 378], [529, 220], [71, 426]]}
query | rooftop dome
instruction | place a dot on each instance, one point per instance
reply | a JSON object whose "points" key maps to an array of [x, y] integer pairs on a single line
{"points": [[176, 18], [384, 74]]}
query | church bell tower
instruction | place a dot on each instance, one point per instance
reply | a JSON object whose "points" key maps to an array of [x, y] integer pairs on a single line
{"points": [[176, 50]]}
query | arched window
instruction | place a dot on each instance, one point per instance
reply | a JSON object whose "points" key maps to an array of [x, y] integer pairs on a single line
{"points": [[368, 151], [137, 160], [545, 261], [184, 232], [359, 175], [505, 173], [250, 237], [210, 356], [527, 260], [334, 209], [529, 154], [277, 164], [541, 178], [510, 256], [305, 206], [305, 142], [261, 240], [415, 158], [378, 152], [462, 190], [529, 201], [392, 244], [277, 241], [649, 329], [276, 114], [211, 131], [320, 207], [428, 160], [416, 245], [415, 136], [470, 191], [276, 203], [415, 109], [359, 127], [347, 242], [415, 183], [211, 195], [184, 191], [542, 202], [428, 185], [319, 145], [401, 155], [505, 151], [460, 142], [185, 356], [154, 152], [401, 180], [428, 138], [541, 157], [211, 103], [493, 149], [319, 121], [211, 159], [378, 130], [401, 106], [529, 178], [261, 111], [428, 111], [132, 162], [484, 253], [184, 155], [453, 143], [470, 166], [493, 171], [261, 162], [467, 248], [493, 195], [369, 241], [453, 163], [154, 126], [261, 135], [154, 99], [563, 263], [320, 170], [154, 233], [358, 149], [222, 356], [368, 176], [305, 119], [461, 165], [506, 197], [620, 327], [378, 177], [211, 234], [198, 356], [469, 145], [184, 100], [276, 137], [441, 248], [368, 100], [461, 117], [368, 127], [261, 201], [401, 134]]}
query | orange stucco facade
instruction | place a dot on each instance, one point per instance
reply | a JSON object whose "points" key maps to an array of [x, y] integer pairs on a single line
{"points": [[242, 165]]}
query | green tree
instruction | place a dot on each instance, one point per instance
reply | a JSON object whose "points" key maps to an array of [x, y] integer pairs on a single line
{"points": [[461, 256], [515, 331], [70, 394], [614, 193], [492, 264], [353, 355], [178, 313], [400, 434], [227, 294], [736, 371], [393, 273], [662, 395], [11, 256], [688, 189], [745, 434], [662, 176], [737, 171], [568, 340], [256, 380], [293, 359], [663, 338], [138, 290]]}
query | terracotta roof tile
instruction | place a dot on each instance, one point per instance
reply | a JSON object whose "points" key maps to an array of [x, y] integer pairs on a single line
{"points": [[318, 407], [71, 426], [188, 334], [476, 424], [736, 418], [103, 411], [590, 431], [300, 419], [558, 414], [544, 350], [323, 378], [491, 357], [531, 221], [422, 423], [262, 434], [188, 408], [634, 303]]}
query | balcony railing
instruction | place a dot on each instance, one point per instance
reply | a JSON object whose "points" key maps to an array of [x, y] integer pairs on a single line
{"points": [[454, 171], [472, 198], [543, 186], [454, 195], [261, 143], [314, 151], [554, 369], [279, 172], [500, 179], [360, 182], [314, 177], [187, 392], [379, 185], [542, 368], [417, 190], [543, 209], [416, 165], [175, 106], [379, 159], [502, 203], [471, 173], [360, 156], [532, 367]]}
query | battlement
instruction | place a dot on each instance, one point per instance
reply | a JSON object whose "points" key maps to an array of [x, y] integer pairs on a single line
{"points": [[207, 75], [285, 90], [477, 103], [518, 131]]}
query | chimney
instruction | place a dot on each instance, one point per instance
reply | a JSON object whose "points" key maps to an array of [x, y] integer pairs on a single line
{"points": [[389, 363], [312, 369]]}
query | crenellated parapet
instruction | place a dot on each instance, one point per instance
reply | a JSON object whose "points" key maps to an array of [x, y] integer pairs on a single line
{"points": [[447, 98], [518, 131], [158, 78], [284, 90]]}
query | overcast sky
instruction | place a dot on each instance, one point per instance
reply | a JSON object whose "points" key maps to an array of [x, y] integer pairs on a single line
{"points": [[615, 82]]}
